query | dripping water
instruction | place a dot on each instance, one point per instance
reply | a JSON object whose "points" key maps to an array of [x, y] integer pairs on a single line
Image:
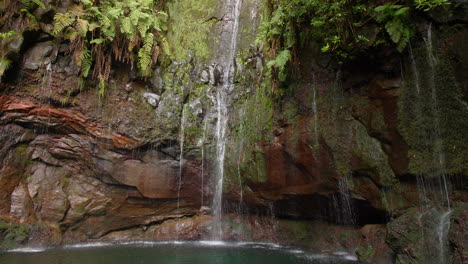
{"points": [[344, 201], [433, 189], [202, 188], [181, 155], [47, 91], [315, 109], [222, 116], [438, 152], [239, 160]]}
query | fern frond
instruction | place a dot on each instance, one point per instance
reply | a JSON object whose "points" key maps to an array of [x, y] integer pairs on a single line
{"points": [[82, 27], [31, 4], [126, 27], [86, 61], [144, 55], [101, 87], [62, 21]]}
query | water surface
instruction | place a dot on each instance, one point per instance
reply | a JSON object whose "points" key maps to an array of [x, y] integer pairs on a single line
{"points": [[170, 253]]}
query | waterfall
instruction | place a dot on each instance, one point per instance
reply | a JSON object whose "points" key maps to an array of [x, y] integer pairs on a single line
{"points": [[181, 155], [438, 152], [202, 188], [239, 160], [343, 203], [433, 189], [315, 109], [222, 95]]}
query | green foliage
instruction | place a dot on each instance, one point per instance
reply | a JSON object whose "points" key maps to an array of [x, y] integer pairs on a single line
{"points": [[102, 31], [427, 5], [342, 28], [397, 24], [11, 234], [7, 34], [364, 252], [432, 115], [280, 63], [31, 4]]}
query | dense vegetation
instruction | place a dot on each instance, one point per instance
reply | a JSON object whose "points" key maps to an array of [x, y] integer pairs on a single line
{"points": [[343, 28]]}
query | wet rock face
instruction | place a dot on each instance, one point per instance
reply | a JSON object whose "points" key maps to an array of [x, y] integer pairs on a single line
{"points": [[38, 56], [82, 181]]}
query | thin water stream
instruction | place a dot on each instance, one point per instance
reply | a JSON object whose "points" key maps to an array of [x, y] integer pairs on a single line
{"points": [[222, 102], [181, 155], [433, 189]]}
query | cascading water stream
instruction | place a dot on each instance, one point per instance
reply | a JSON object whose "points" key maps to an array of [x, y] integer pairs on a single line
{"points": [[434, 192], [202, 188], [181, 155], [438, 152], [47, 89], [222, 94], [239, 160], [315, 109], [443, 225]]}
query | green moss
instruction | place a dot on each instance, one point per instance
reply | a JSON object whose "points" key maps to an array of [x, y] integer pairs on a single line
{"points": [[189, 27], [433, 124], [364, 252], [370, 151], [250, 128]]}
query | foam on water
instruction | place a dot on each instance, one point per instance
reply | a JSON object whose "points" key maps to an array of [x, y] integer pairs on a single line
{"points": [[27, 250]]}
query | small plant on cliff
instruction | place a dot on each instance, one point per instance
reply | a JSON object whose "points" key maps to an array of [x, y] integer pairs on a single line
{"points": [[341, 28], [397, 25], [102, 31], [11, 234], [427, 5]]}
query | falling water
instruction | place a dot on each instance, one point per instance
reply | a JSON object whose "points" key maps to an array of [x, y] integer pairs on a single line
{"points": [[222, 115], [415, 70], [239, 160], [434, 192], [47, 90], [314, 108], [438, 152], [202, 188], [443, 224], [345, 203], [181, 155]]}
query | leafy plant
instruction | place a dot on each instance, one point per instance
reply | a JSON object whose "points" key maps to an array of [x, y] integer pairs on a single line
{"points": [[397, 24], [30, 4], [102, 31], [427, 5], [7, 34], [11, 234]]}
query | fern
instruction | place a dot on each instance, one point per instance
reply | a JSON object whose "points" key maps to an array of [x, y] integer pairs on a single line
{"points": [[395, 18], [101, 87], [427, 5], [62, 21], [144, 55], [82, 27], [31, 4], [86, 62], [125, 29]]}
